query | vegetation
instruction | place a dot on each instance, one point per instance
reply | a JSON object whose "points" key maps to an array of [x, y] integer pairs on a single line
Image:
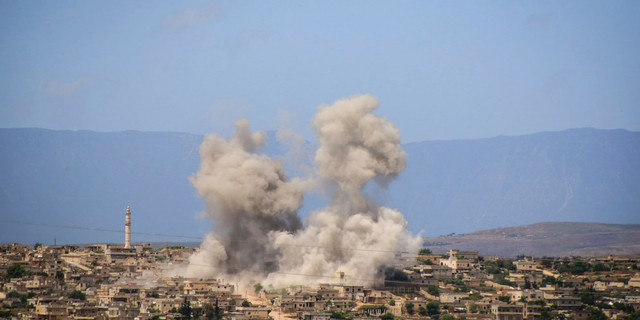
{"points": [[600, 267], [16, 271], [433, 290], [258, 287], [409, 307], [246, 303], [367, 307], [424, 252], [185, 309], [386, 316], [433, 308], [77, 294], [340, 315]]}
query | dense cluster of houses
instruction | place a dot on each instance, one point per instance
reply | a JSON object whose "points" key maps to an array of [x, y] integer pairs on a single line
{"points": [[112, 282]]}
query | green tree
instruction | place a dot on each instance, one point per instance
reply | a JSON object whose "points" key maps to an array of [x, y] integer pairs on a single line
{"points": [[433, 290], [77, 294], [422, 311], [587, 296], [473, 308], [600, 267], [60, 275], [433, 308], [16, 271], [232, 302], [208, 311], [5, 314], [424, 251], [186, 309], [634, 316], [386, 316], [257, 288], [544, 315], [409, 306], [246, 303], [392, 302], [596, 314], [217, 312], [37, 245], [340, 315], [448, 317], [579, 267]]}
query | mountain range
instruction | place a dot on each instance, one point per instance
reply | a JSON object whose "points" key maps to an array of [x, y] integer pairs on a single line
{"points": [[86, 179]]}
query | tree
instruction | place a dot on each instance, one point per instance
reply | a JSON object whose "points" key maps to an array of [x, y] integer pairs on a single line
{"points": [[246, 303], [600, 267], [424, 251], [208, 311], [77, 294], [527, 284], [257, 288], [392, 302], [217, 312], [232, 302], [422, 311], [634, 315], [387, 316], [596, 314], [37, 245], [409, 306], [544, 315], [16, 271], [587, 296], [433, 308], [59, 275], [186, 309], [433, 290], [473, 308]]}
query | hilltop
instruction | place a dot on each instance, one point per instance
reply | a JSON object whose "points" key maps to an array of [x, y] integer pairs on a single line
{"points": [[558, 239]]}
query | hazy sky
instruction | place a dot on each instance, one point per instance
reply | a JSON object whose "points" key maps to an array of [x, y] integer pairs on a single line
{"points": [[441, 69]]}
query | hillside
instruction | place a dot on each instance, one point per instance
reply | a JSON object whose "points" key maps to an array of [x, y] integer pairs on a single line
{"points": [[87, 178], [559, 239]]}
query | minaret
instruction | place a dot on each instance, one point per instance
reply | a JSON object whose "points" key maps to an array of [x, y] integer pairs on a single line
{"points": [[127, 229]]}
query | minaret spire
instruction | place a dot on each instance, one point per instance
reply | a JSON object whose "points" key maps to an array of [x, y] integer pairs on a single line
{"points": [[127, 229]]}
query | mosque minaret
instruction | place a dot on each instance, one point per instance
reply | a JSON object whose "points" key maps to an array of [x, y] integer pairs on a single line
{"points": [[127, 229]]}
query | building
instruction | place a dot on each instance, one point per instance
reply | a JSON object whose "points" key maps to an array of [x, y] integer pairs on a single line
{"points": [[127, 229]]}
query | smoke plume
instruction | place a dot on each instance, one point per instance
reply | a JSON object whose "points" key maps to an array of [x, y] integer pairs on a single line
{"points": [[248, 195], [250, 198]]}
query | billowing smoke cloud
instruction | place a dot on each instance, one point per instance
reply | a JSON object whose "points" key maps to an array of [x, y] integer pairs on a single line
{"points": [[251, 198], [248, 195]]}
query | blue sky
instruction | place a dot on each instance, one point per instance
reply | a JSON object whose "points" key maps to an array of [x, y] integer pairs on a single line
{"points": [[441, 69]]}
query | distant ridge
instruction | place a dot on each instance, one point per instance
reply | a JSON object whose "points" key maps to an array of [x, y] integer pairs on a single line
{"points": [[559, 239], [86, 178]]}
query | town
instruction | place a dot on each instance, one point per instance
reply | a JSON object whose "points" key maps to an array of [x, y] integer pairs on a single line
{"points": [[120, 282]]}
